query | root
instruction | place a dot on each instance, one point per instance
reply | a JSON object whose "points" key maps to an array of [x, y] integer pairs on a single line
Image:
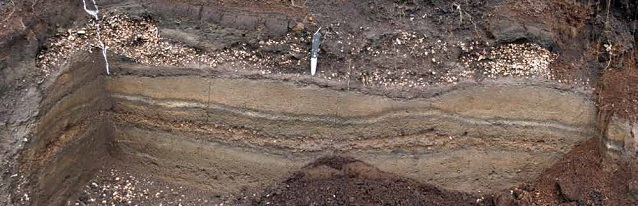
{"points": [[463, 12], [609, 49], [303, 5], [607, 31], [24, 27], [349, 72], [13, 9], [35, 2]]}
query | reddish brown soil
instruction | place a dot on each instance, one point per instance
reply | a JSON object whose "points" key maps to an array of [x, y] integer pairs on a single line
{"points": [[346, 181], [618, 88], [580, 178]]}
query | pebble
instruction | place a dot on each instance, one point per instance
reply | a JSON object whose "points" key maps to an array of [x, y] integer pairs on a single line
{"points": [[117, 188], [139, 41]]}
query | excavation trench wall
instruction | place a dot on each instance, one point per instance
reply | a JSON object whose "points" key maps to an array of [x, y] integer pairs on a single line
{"points": [[71, 137], [227, 133]]}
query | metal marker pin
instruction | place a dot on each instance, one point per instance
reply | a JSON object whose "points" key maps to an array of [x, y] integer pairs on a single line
{"points": [[314, 53]]}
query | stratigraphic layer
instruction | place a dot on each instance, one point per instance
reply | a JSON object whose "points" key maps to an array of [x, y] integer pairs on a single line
{"points": [[484, 137]]}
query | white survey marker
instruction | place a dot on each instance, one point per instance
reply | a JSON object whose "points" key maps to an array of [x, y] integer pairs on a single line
{"points": [[314, 53]]}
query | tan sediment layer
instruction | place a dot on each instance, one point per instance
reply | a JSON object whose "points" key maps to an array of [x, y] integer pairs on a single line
{"points": [[484, 137], [506, 102]]}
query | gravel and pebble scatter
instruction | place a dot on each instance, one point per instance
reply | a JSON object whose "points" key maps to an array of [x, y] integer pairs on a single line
{"points": [[115, 187], [138, 40], [523, 60]]}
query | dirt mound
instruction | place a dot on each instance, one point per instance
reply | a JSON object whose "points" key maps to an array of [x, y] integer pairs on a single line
{"points": [[581, 178], [339, 180]]}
